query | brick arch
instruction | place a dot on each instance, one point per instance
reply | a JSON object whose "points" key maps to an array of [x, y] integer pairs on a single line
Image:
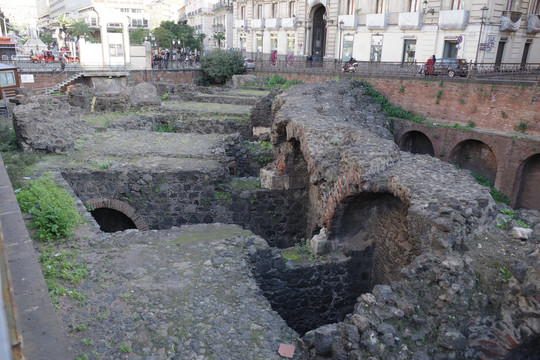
{"points": [[122, 207], [528, 180], [416, 142], [476, 156]]}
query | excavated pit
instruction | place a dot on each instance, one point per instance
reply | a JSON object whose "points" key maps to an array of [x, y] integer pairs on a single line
{"points": [[110, 220]]}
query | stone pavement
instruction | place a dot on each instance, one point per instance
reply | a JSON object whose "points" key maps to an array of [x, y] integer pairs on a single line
{"points": [[183, 293]]}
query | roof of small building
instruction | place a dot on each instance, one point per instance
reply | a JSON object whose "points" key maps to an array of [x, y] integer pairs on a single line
{"points": [[6, 67]]}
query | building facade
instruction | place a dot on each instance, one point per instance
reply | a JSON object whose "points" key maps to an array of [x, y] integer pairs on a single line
{"points": [[491, 31]]}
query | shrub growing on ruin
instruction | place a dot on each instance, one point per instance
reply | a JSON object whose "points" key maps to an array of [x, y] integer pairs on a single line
{"points": [[53, 211], [220, 65]]}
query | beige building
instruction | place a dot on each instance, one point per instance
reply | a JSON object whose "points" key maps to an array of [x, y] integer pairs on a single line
{"points": [[390, 30], [162, 10]]}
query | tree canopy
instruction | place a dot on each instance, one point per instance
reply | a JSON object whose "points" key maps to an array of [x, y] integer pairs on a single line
{"points": [[179, 31], [79, 28]]}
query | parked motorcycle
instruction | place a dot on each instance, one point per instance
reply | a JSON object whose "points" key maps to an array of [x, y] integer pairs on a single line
{"points": [[350, 66]]}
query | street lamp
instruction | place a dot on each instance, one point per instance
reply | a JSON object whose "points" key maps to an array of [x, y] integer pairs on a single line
{"points": [[341, 23], [482, 18]]}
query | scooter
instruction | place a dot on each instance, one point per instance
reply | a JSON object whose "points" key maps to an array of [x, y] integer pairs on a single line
{"points": [[350, 66]]}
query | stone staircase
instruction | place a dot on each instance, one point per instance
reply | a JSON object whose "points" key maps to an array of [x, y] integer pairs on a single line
{"points": [[59, 86]]}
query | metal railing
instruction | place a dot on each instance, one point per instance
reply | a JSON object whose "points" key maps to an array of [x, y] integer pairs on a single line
{"points": [[29, 66], [480, 71]]}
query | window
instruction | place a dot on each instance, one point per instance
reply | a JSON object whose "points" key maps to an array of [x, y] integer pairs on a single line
{"points": [[243, 43], [124, 10], [509, 5], [291, 8], [93, 22], [242, 12], [414, 5], [290, 43], [259, 43], [409, 50], [537, 9], [273, 41], [350, 7], [116, 50], [259, 11], [7, 78], [457, 5], [347, 52], [136, 11], [274, 11]]}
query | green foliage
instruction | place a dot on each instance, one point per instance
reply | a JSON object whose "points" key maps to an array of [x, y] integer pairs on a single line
{"points": [[222, 196], [388, 108], [461, 101], [79, 327], [47, 39], [276, 82], [402, 88], [136, 37], [164, 97], [220, 65], [521, 127], [219, 37], [164, 128], [442, 153], [79, 28], [508, 218], [53, 211], [439, 94], [503, 114], [59, 270], [266, 145], [304, 246], [505, 274], [497, 196], [169, 31], [471, 124], [124, 348]]}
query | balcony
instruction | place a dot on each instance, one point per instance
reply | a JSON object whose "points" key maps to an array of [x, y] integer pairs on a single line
{"points": [[453, 19], [410, 20], [533, 24], [289, 23], [223, 5], [377, 21], [272, 24], [219, 28], [240, 24], [350, 22], [510, 21], [257, 24]]}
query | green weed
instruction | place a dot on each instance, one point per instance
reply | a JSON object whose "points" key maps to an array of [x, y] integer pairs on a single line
{"points": [[165, 128], [521, 127], [505, 274], [497, 196], [53, 210], [124, 348]]}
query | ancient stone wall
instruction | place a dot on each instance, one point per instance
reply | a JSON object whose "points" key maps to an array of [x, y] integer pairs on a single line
{"points": [[169, 199], [179, 76], [308, 294]]}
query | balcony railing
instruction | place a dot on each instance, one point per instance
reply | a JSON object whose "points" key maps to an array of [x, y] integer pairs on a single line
{"points": [[272, 24], [289, 23], [223, 5], [453, 19], [377, 21], [410, 21], [240, 24], [510, 21], [533, 24], [350, 22], [257, 24]]}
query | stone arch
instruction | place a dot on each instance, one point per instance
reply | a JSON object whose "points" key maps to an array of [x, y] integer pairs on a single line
{"points": [[374, 227], [476, 156], [528, 179], [416, 142], [121, 207]]}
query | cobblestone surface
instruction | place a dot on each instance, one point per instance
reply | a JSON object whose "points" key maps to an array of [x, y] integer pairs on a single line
{"points": [[183, 293]]}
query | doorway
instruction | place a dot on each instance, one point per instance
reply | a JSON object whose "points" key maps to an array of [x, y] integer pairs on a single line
{"points": [[500, 52], [318, 41], [409, 51], [450, 49], [525, 54]]}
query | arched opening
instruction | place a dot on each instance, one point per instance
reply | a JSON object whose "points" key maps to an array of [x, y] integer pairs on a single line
{"points": [[373, 227], [528, 196], [417, 143], [477, 157], [110, 220], [318, 37]]}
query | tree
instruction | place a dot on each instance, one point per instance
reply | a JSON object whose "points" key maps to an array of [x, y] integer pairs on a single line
{"points": [[220, 65], [137, 36], [63, 22], [181, 31], [79, 28], [219, 37], [200, 39], [47, 39]]}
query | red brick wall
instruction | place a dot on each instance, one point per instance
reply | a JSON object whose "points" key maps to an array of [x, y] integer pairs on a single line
{"points": [[492, 107], [43, 81], [511, 153]]}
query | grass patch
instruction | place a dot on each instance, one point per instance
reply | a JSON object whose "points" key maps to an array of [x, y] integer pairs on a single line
{"points": [[60, 270], [103, 119], [276, 82], [165, 128], [497, 196], [53, 211]]}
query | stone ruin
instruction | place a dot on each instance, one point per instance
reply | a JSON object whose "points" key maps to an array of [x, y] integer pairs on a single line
{"points": [[394, 271]]}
